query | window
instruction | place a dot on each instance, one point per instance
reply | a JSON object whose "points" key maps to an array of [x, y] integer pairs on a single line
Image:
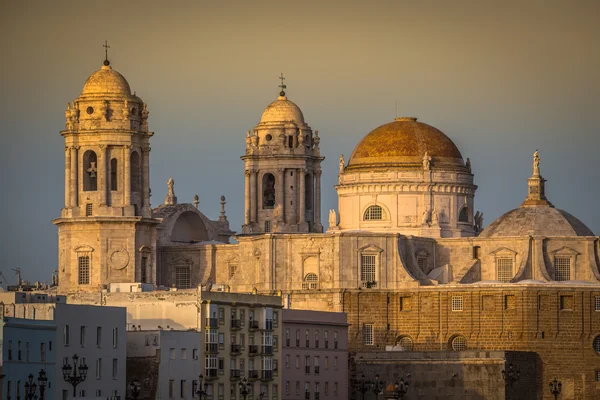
{"points": [[317, 339], [82, 336], [510, 302], [182, 277], [374, 213], [66, 336], [26, 351], [326, 362], [307, 364], [596, 344], [115, 337], [367, 270], [113, 174], [232, 269], [136, 177], [476, 252], [308, 191], [144, 270], [267, 226], [562, 268], [98, 393], [8, 389], [368, 334], [504, 269], [184, 354], [459, 343], [84, 270], [405, 343], [457, 303], [311, 281], [297, 337], [221, 315], [19, 356], [335, 340], [463, 216], [171, 389], [222, 340], [316, 365], [182, 391], [596, 303], [195, 354], [287, 337], [90, 170], [10, 350], [268, 193], [566, 303], [99, 368], [297, 361], [326, 339], [422, 261], [43, 352], [307, 337], [89, 210], [115, 368], [597, 375], [405, 303], [335, 388], [287, 360]]}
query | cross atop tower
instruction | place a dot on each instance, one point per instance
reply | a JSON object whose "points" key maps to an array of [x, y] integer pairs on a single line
{"points": [[106, 47], [282, 86]]}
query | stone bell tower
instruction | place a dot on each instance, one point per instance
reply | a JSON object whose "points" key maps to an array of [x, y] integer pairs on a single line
{"points": [[282, 166], [106, 232]]}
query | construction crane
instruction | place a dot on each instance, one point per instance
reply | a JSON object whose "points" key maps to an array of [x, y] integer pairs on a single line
{"points": [[18, 273]]}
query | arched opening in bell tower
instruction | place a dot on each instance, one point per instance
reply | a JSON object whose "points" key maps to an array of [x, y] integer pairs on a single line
{"points": [[113, 174], [90, 171], [136, 176], [308, 191], [268, 191]]}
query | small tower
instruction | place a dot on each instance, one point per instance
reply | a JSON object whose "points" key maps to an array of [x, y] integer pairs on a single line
{"points": [[106, 230], [282, 167]]}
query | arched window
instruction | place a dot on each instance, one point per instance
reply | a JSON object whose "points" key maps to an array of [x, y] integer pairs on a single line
{"points": [[90, 171], [113, 174], [308, 191], [374, 213], [405, 343], [458, 343], [311, 281], [291, 142], [463, 216], [268, 191], [83, 264], [136, 176]]}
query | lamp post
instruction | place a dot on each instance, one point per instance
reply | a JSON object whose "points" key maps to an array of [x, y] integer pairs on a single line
{"points": [[555, 388], [377, 387], [30, 388], [362, 385], [510, 376], [74, 374], [201, 391], [135, 387], [42, 380], [261, 395], [400, 389], [244, 387]]}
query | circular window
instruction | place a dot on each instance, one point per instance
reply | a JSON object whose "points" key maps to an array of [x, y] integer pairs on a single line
{"points": [[134, 111], [405, 343], [596, 344], [459, 343], [268, 138], [90, 110]]}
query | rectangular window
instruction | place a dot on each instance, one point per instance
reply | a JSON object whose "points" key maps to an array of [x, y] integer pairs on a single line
{"points": [[115, 337], [182, 390], [307, 364], [457, 303], [89, 210], [184, 354], [597, 375], [84, 270], [82, 336], [232, 269], [171, 354], [596, 303], [367, 270], [43, 352], [10, 350], [405, 303], [99, 368], [307, 337], [368, 334], [297, 337], [335, 340], [195, 354], [316, 365], [115, 368], [171, 389], [562, 268], [221, 315], [504, 269], [326, 339], [143, 271], [8, 389], [297, 361], [182, 278], [66, 335], [267, 226], [99, 336]]}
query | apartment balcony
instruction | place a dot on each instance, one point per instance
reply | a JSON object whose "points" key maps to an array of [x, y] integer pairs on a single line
{"points": [[253, 349], [212, 348], [269, 324], [211, 323], [211, 374], [252, 374], [234, 374], [236, 324], [253, 325], [266, 350], [266, 375], [236, 349]]}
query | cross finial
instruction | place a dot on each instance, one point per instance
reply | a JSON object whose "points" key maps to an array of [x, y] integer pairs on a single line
{"points": [[282, 86], [106, 47]]}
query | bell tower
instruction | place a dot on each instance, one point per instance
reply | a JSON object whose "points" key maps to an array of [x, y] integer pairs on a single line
{"points": [[282, 167], [106, 232]]}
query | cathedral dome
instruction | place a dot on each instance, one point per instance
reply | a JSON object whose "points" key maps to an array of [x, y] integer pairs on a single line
{"points": [[539, 221], [282, 110], [106, 81], [404, 142]]}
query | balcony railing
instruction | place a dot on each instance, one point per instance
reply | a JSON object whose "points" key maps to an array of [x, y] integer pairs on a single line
{"points": [[269, 324], [266, 375], [316, 395], [307, 395], [252, 374], [212, 323], [234, 374], [236, 349], [212, 347], [253, 349], [266, 350], [316, 370], [253, 325], [211, 373], [236, 324]]}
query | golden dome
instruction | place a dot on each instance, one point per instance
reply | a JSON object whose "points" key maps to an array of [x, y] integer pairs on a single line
{"points": [[106, 81], [404, 142], [282, 110]]}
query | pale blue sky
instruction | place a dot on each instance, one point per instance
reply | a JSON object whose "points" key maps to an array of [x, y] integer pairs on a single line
{"points": [[500, 78]]}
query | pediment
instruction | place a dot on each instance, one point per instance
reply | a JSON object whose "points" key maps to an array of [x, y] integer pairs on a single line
{"points": [[84, 249], [370, 248], [503, 251], [567, 251]]}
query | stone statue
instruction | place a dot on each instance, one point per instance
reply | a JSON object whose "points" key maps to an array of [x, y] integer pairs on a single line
{"points": [[171, 185], [332, 218], [342, 163], [536, 163], [434, 217], [145, 112], [425, 217], [316, 140], [426, 161], [468, 164], [196, 201], [478, 221], [171, 198]]}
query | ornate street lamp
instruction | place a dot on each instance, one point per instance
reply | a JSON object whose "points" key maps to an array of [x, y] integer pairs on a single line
{"points": [[244, 387], [377, 387], [399, 389], [510, 376], [30, 388], [202, 389], [362, 385], [555, 388], [42, 380], [135, 387], [74, 374]]}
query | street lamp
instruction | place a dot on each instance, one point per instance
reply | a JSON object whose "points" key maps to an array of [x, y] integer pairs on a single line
{"points": [[30, 388], [73, 374], [555, 388], [510, 376], [377, 386], [400, 388], [135, 387], [202, 389], [42, 380], [362, 385], [244, 387]]}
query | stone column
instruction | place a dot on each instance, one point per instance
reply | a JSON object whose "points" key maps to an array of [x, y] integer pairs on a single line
{"points": [[146, 179], [317, 203], [281, 192], [302, 190], [67, 177], [253, 200], [247, 203], [102, 174], [126, 175], [74, 185]]}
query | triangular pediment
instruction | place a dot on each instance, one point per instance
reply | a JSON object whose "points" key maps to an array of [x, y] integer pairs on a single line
{"points": [[370, 248], [503, 250], [565, 251]]}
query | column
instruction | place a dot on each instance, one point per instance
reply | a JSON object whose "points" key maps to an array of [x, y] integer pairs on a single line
{"points": [[126, 175], [146, 178], [247, 203], [102, 174], [74, 176], [301, 192], [253, 190], [317, 204], [281, 192], [67, 177]]}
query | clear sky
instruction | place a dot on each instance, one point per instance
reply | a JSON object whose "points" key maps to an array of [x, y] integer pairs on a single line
{"points": [[501, 78]]}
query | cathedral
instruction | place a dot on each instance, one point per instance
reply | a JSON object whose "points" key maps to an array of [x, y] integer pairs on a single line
{"points": [[405, 254]]}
